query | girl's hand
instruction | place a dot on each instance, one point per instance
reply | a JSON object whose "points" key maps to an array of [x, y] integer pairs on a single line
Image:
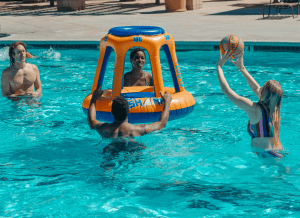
{"points": [[222, 60], [239, 63]]}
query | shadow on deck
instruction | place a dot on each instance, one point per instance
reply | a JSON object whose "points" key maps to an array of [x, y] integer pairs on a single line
{"points": [[255, 9], [96, 8]]}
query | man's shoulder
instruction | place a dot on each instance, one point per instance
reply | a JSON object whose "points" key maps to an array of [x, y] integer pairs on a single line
{"points": [[148, 74], [7, 70], [103, 126], [135, 129], [34, 67], [125, 127]]}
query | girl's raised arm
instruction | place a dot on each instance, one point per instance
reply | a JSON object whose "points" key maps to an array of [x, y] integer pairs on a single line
{"points": [[244, 103], [239, 63]]}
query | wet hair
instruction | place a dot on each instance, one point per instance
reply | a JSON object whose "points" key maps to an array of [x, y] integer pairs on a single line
{"points": [[135, 51], [272, 88], [120, 108], [12, 48]]}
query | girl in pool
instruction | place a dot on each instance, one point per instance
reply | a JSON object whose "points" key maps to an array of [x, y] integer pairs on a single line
{"points": [[264, 116], [138, 77]]}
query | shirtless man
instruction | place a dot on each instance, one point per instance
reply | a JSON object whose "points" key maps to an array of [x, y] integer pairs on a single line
{"points": [[21, 78], [120, 111]]}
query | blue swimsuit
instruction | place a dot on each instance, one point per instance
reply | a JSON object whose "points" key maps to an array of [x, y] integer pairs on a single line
{"points": [[263, 128]]}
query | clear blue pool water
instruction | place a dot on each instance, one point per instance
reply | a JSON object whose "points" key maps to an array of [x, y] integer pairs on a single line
{"points": [[52, 164]]}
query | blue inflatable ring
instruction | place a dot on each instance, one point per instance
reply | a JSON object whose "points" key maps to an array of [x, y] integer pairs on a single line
{"points": [[136, 30]]}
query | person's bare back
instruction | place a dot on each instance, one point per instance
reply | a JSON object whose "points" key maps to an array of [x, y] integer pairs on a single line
{"points": [[120, 110], [125, 129], [21, 78]]}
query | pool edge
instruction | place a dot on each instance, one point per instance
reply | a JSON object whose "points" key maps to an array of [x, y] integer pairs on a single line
{"points": [[180, 45]]}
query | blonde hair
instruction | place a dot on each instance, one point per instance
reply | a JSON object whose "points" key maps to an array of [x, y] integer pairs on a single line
{"points": [[269, 89]]}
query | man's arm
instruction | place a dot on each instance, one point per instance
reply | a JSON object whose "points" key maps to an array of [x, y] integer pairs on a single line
{"points": [[37, 82], [5, 85], [92, 121], [145, 129]]}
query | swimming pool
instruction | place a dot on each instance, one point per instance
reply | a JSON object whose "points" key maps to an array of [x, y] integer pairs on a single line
{"points": [[199, 166]]}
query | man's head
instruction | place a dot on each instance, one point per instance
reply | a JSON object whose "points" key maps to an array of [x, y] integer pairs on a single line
{"points": [[120, 108], [17, 52]]}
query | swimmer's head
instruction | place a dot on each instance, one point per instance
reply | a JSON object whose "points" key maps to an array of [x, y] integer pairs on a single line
{"points": [[120, 108], [135, 51], [137, 58], [21, 50], [271, 94]]}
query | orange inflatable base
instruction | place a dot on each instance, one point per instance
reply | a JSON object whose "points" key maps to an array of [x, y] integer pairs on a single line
{"points": [[144, 106], [143, 117]]}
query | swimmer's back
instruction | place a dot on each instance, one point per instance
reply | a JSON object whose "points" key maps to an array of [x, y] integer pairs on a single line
{"points": [[126, 130]]}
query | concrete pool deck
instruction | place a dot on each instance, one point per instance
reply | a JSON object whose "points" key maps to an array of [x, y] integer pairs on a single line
{"points": [[217, 18]]}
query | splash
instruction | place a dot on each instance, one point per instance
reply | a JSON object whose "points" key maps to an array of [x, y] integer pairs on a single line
{"points": [[4, 54], [50, 54]]}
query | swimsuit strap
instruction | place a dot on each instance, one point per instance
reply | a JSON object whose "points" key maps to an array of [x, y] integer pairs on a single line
{"points": [[146, 84], [264, 127]]}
